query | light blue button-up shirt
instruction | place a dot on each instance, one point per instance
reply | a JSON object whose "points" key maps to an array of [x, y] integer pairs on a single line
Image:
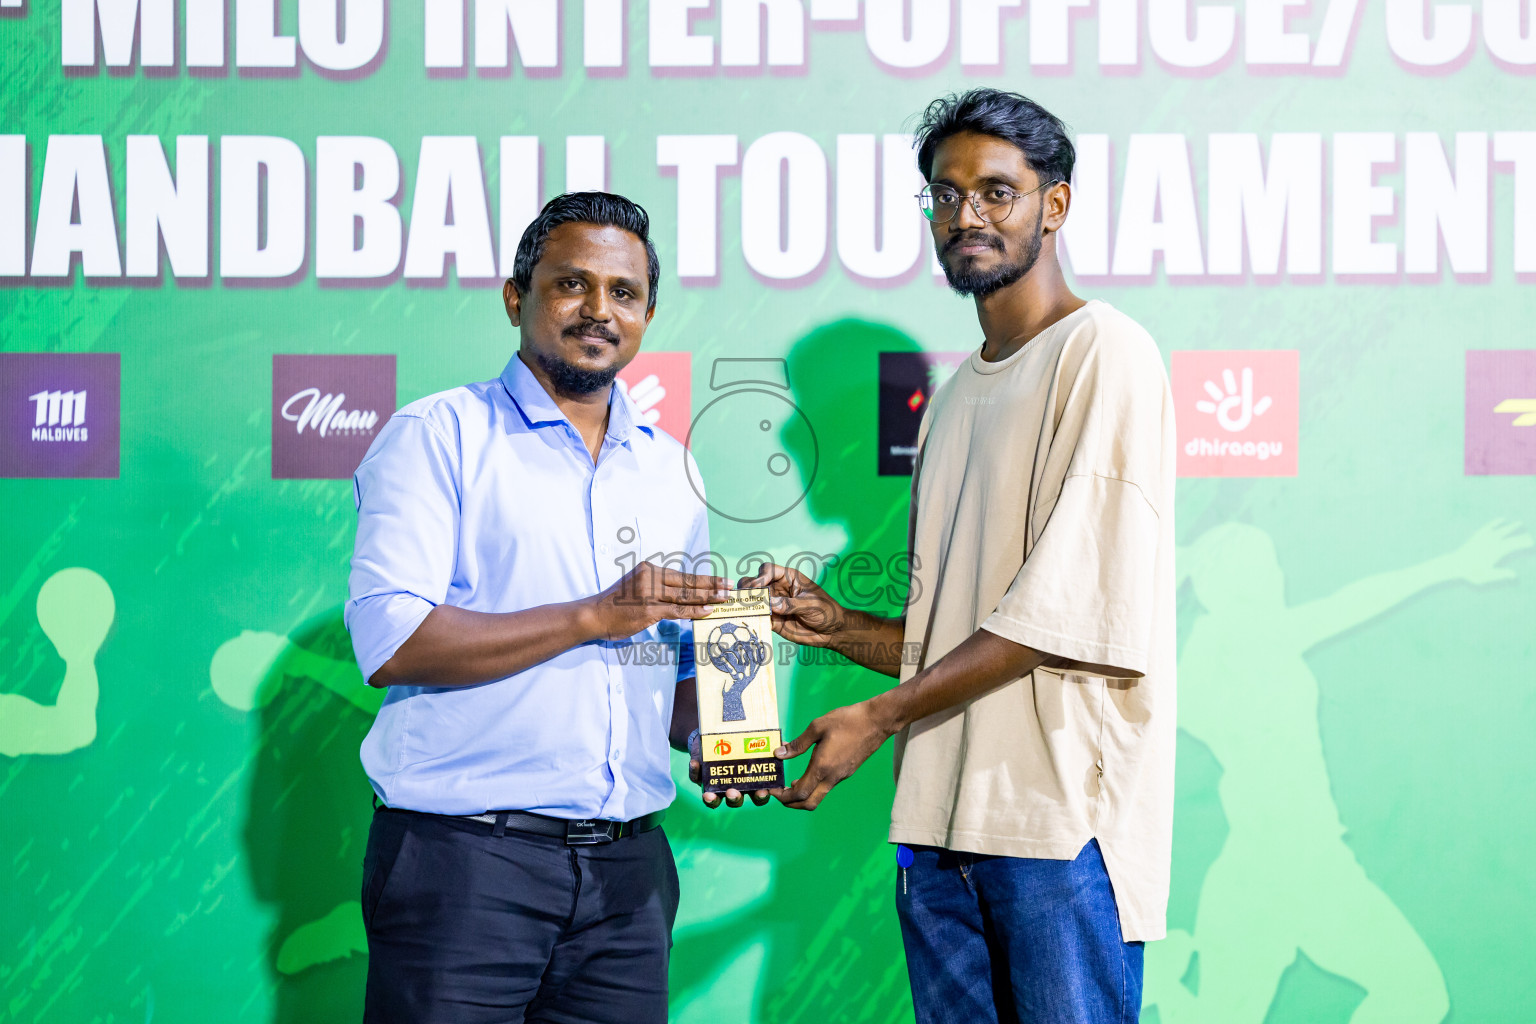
{"points": [[486, 498]]}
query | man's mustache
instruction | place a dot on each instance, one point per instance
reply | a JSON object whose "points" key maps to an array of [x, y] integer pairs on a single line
{"points": [[588, 332], [973, 238]]}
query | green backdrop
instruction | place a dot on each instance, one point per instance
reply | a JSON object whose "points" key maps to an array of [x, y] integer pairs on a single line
{"points": [[1352, 638]]}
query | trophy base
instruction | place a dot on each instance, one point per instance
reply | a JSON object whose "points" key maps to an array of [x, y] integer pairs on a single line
{"points": [[742, 761]]}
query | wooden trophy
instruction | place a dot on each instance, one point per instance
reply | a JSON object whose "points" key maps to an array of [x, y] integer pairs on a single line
{"points": [[738, 702]]}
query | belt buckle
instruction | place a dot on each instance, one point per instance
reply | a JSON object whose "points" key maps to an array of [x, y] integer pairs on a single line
{"points": [[589, 832]]}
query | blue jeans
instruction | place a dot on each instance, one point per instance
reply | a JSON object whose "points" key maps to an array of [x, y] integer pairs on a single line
{"points": [[1010, 940]]}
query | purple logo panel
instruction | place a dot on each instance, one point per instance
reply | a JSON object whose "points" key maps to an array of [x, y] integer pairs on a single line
{"points": [[326, 411], [59, 414], [1501, 413]]}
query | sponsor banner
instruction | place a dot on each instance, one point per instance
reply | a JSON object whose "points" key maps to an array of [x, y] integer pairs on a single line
{"points": [[741, 760], [60, 415], [907, 382], [661, 386], [326, 411], [1501, 413], [1238, 412]]}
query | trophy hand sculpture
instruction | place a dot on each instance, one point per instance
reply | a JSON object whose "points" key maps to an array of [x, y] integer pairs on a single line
{"points": [[735, 650]]}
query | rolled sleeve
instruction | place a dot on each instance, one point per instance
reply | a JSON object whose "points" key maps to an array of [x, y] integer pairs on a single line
{"points": [[1087, 590], [407, 493]]}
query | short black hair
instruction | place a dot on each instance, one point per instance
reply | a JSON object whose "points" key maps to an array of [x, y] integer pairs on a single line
{"points": [[602, 208], [1004, 115]]}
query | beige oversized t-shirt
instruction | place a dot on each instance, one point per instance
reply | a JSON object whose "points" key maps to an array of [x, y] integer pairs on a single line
{"points": [[1042, 511]]}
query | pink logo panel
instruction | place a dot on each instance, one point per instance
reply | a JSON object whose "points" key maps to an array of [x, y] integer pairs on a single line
{"points": [[326, 411], [661, 386], [1238, 412], [1501, 413]]}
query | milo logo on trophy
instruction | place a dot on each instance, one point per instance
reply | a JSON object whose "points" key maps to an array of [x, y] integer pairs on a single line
{"points": [[738, 702]]}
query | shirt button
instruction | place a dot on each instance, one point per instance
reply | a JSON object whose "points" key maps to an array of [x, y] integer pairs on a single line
{"points": [[618, 688], [616, 754]]}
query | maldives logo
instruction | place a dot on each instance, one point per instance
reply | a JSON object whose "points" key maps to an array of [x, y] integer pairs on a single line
{"points": [[661, 386], [1501, 413], [60, 414], [1238, 412], [326, 411]]}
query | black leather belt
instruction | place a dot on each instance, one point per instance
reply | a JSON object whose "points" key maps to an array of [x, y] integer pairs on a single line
{"points": [[586, 832]]}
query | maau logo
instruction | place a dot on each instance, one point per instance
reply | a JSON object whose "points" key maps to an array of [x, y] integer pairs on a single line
{"points": [[60, 414], [1501, 413], [1237, 412], [326, 411]]}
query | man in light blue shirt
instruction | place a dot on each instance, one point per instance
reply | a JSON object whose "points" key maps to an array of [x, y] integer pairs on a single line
{"points": [[501, 589]]}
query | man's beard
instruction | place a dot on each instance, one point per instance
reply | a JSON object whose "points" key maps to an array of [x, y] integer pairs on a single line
{"points": [[981, 283], [573, 380]]}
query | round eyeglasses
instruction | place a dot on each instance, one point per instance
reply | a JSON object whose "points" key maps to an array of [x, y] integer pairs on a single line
{"points": [[993, 204]]}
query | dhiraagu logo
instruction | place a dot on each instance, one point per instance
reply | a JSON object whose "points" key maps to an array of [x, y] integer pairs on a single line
{"points": [[1233, 406], [1237, 412], [660, 383]]}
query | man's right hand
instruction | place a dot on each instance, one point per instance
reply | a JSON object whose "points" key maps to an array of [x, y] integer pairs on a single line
{"points": [[647, 594], [802, 611], [807, 614]]}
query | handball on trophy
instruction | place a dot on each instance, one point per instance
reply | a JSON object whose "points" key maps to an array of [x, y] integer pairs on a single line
{"points": [[734, 649]]}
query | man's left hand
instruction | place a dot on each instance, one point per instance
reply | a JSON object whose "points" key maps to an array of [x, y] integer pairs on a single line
{"points": [[844, 738]]}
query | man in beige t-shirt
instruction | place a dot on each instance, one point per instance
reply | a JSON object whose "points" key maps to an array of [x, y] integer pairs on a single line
{"points": [[1035, 733]]}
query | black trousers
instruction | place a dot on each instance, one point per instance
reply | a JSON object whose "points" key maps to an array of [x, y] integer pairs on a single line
{"points": [[471, 928]]}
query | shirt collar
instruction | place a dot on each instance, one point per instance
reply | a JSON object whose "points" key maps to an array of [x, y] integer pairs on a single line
{"points": [[539, 409]]}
